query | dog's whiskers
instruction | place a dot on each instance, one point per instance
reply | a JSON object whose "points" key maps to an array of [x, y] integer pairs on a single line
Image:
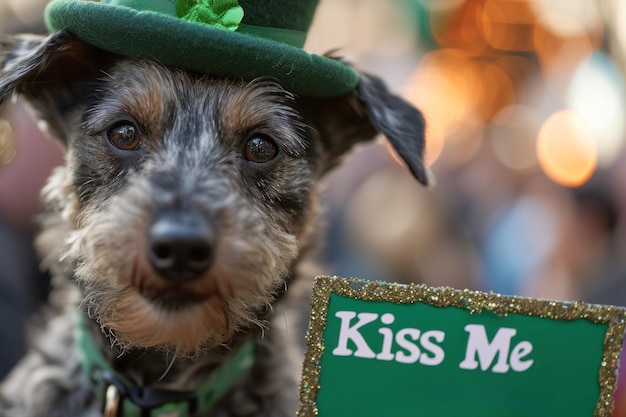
{"points": [[169, 367], [263, 325], [284, 316]]}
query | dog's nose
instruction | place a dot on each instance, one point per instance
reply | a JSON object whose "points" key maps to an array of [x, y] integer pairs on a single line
{"points": [[180, 245]]}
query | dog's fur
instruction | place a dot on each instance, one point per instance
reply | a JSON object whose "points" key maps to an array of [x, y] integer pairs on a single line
{"points": [[194, 160]]}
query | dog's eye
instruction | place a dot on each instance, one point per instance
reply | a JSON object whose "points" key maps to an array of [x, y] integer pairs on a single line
{"points": [[260, 149], [124, 136]]}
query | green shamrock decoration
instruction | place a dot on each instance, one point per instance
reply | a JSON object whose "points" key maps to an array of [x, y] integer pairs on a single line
{"points": [[221, 14]]}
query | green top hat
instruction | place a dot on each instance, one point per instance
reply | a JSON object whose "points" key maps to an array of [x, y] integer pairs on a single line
{"points": [[245, 38]]}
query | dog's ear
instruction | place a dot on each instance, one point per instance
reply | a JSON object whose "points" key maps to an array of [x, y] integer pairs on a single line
{"points": [[360, 116], [51, 73], [402, 124]]}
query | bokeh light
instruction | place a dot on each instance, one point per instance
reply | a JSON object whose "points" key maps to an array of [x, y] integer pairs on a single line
{"points": [[525, 59], [596, 94], [566, 149], [559, 55], [445, 87], [508, 25], [460, 29], [513, 135], [559, 16], [497, 90]]}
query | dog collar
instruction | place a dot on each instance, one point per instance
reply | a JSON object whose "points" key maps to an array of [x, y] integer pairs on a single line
{"points": [[121, 398]]}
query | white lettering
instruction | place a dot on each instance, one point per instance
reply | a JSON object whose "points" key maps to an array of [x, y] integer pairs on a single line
{"points": [[410, 345], [436, 350], [385, 354], [518, 353], [348, 332], [404, 343], [479, 345]]}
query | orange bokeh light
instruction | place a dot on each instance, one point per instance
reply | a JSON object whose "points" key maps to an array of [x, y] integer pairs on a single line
{"points": [[508, 25], [445, 88], [458, 92], [566, 149], [460, 29], [564, 52], [497, 90]]}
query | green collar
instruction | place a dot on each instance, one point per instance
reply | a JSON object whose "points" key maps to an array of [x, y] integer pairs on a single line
{"points": [[120, 398]]}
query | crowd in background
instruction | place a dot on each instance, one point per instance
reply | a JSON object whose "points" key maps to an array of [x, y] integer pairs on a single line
{"points": [[525, 104]]}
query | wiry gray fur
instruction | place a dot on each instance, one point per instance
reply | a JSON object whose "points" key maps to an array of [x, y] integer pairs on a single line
{"points": [[100, 205]]}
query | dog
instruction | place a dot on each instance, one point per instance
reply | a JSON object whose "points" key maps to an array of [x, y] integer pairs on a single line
{"points": [[178, 228]]}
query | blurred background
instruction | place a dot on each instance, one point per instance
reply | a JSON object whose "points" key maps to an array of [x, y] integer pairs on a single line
{"points": [[525, 104]]}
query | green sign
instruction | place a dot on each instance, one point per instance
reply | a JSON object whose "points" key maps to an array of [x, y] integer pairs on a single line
{"points": [[389, 350]]}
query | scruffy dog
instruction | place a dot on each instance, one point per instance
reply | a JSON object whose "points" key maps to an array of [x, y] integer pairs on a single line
{"points": [[183, 214]]}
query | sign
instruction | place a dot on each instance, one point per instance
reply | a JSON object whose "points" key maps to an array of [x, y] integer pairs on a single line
{"points": [[389, 350]]}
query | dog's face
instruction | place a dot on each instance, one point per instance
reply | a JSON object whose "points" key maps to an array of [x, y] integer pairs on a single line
{"points": [[186, 198], [192, 194]]}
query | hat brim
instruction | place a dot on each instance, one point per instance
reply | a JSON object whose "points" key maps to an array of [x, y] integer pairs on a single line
{"points": [[171, 41]]}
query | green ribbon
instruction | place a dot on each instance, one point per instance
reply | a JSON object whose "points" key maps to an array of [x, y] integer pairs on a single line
{"points": [[219, 14]]}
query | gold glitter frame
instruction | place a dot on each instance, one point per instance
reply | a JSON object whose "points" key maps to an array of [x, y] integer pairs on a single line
{"points": [[473, 301]]}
